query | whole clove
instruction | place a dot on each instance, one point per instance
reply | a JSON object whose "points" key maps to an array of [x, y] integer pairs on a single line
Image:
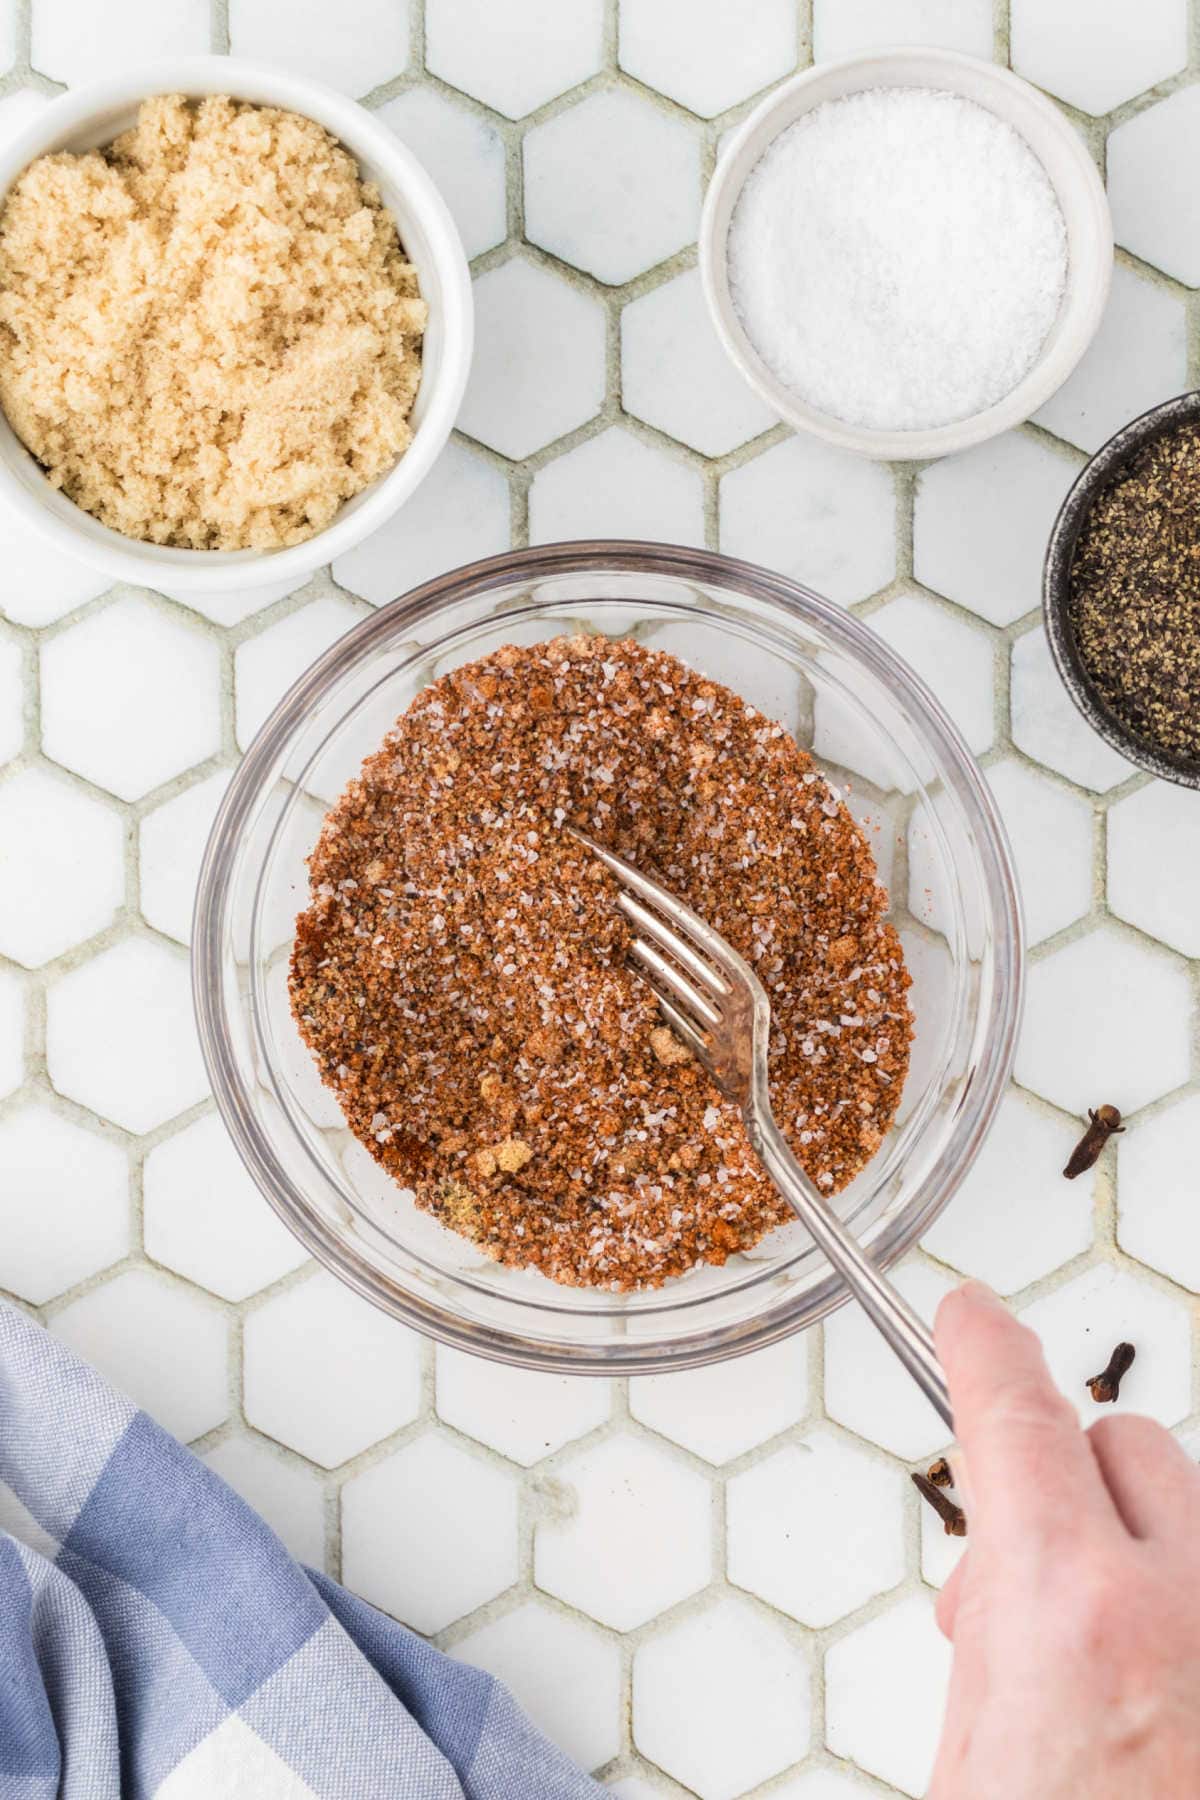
{"points": [[1105, 1121], [1106, 1387], [953, 1517], [941, 1474]]}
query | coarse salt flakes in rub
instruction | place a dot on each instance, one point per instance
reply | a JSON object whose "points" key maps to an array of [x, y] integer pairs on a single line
{"points": [[897, 258]]}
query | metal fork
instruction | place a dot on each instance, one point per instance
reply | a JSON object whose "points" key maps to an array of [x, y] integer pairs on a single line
{"points": [[711, 997]]}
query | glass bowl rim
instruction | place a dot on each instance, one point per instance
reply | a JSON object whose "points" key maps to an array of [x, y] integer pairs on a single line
{"points": [[473, 581]]}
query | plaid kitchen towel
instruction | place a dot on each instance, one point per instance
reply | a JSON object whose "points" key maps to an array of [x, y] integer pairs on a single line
{"points": [[157, 1639]]}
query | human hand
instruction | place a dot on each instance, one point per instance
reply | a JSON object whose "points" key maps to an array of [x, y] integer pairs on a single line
{"points": [[1075, 1615]]}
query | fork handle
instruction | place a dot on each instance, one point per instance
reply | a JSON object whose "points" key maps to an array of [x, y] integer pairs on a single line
{"points": [[887, 1310]]}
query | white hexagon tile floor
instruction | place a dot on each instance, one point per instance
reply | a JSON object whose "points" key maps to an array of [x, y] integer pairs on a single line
{"points": [[716, 1584]]}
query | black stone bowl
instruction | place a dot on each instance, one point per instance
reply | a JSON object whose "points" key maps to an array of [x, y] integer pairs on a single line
{"points": [[1056, 587]]}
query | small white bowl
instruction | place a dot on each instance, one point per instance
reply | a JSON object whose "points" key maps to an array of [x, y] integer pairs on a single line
{"points": [[95, 115], [1071, 173]]}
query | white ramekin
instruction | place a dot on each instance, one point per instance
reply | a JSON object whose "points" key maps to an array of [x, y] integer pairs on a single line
{"points": [[1071, 172], [94, 115]]}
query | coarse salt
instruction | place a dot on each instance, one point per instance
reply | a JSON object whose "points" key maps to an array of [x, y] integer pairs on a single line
{"points": [[898, 258]]}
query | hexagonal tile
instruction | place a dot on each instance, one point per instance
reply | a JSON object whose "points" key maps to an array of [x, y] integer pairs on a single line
{"points": [[703, 54], [632, 1536], [1154, 864], [1137, 358], [465, 156], [171, 843], [981, 523], [564, 1674], [825, 1784], [674, 373], [205, 1218], [956, 659], [586, 197], [289, 1497], [720, 1700], [1009, 1233], [39, 583], [822, 1491], [12, 699], [844, 27], [157, 710], [1047, 725], [515, 56], [460, 513], [363, 43], [866, 1388], [64, 866], [1155, 207], [83, 44], [232, 605], [1158, 1220], [1051, 836], [720, 1411], [65, 1202], [1048, 48], [267, 665], [328, 1374], [1105, 1019], [430, 1533], [615, 485], [12, 1031], [519, 1412], [120, 1037], [885, 1691], [539, 359], [813, 512], [1080, 1323], [159, 1342]]}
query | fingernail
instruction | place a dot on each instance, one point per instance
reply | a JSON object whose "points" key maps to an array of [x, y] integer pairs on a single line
{"points": [[980, 1294]]}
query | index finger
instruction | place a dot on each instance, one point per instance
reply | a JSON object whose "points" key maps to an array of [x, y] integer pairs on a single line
{"points": [[1031, 1469]]}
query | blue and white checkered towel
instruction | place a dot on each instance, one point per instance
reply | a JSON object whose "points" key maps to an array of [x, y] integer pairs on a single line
{"points": [[157, 1639]]}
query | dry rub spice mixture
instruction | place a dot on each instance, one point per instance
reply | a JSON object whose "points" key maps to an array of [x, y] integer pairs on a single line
{"points": [[209, 334], [460, 972], [1135, 593]]}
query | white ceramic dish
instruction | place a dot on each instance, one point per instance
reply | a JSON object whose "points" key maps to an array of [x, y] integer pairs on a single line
{"points": [[1068, 166], [94, 115]]}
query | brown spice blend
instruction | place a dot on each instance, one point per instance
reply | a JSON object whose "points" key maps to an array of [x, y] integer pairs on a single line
{"points": [[460, 972]]}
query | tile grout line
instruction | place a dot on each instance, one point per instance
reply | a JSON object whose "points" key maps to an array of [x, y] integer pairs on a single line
{"points": [[709, 473]]}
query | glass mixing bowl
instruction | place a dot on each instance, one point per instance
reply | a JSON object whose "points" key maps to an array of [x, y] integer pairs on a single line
{"points": [[876, 731]]}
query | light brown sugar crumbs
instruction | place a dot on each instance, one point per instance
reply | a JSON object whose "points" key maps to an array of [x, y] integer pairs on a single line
{"points": [[210, 336], [460, 971]]}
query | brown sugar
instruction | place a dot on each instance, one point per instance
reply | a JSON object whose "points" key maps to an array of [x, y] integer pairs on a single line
{"points": [[210, 336], [460, 971]]}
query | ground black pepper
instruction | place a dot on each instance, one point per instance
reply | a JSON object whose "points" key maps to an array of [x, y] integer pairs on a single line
{"points": [[1134, 604]]}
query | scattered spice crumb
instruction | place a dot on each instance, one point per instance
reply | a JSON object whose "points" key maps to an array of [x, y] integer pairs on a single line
{"points": [[1104, 1121], [460, 971], [1106, 1387], [667, 1047]]}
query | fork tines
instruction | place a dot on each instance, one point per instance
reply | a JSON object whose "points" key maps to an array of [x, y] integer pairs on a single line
{"points": [[674, 951]]}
